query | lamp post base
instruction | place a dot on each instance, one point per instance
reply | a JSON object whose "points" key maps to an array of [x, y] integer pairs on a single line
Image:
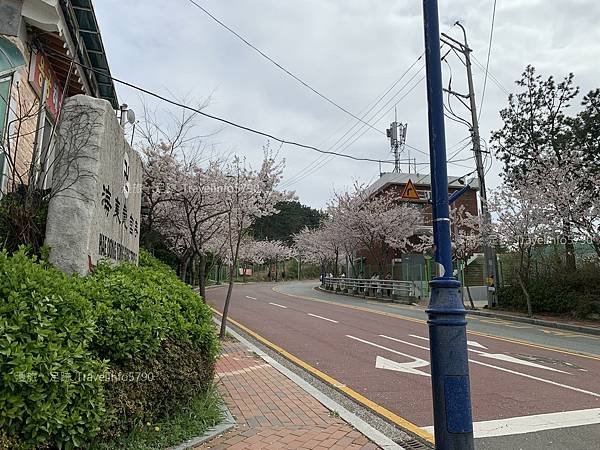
{"points": [[453, 421]]}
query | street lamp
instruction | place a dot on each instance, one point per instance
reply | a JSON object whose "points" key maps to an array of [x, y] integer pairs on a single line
{"points": [[452, 418]]}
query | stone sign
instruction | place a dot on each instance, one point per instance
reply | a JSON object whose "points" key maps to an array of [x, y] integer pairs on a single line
{"points": [[94, 211]]}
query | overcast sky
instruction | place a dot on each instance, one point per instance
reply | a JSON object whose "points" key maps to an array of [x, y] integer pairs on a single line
{"points": [[352, 51]]}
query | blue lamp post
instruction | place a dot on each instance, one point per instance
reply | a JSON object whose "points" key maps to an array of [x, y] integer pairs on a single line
{"points": [[453, 421]]}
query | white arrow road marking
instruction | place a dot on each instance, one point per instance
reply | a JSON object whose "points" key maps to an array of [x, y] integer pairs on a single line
{"points": [[251, 298], [279, 306], [408, 367], [532, 424], [471, 343], [323, 318], [498, 356]]}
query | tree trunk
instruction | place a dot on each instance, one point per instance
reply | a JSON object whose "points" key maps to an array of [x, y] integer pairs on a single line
{"points": [[569, 248], [194, 270], [184, 268], [527, 297], [470, 297], [226, 306], [202, 276]]}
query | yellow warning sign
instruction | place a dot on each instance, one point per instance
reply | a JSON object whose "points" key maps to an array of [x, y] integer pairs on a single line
{"points": [[409, 192]]}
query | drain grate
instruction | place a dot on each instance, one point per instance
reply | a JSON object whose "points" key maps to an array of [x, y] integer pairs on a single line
{"points": [[411, 444]]}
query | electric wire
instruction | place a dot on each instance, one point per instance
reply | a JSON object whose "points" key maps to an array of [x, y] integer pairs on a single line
{"points": [[320, 159], [487, 65], [281, 67], [211, 116]]}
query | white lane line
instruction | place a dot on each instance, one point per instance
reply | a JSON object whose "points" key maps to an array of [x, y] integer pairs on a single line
{"points": [[323, 318], [534, 423], [498, 356], [471, 343], [251, 298], [404, 342], [279, 306], [543, 380]]}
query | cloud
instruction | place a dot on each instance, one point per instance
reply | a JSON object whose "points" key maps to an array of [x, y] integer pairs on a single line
{"points": [[352, 51]]}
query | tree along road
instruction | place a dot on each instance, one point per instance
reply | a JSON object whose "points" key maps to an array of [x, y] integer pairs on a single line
{"points": [[530, 386]]}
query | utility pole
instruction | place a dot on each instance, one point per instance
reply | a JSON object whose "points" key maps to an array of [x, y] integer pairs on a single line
{"points": [[490, 269], [452, 416]]}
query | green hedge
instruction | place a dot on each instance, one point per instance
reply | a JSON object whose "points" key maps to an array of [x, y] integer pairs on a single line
{"points": [[574, 294], [95, 356], [46, 327]]}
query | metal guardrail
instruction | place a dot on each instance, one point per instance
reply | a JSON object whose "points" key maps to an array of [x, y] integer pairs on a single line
{"points": [[370, 287]]}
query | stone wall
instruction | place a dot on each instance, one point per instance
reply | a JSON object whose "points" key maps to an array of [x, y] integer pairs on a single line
{"points": [[94, 212]]}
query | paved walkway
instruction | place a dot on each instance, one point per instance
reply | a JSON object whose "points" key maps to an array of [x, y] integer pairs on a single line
{"points": [[272, 412]]}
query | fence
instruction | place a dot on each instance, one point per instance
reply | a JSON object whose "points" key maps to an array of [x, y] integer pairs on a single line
{"points": [[392, 289]]}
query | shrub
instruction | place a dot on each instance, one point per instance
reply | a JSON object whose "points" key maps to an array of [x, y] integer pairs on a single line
{"points": [[50, 391], [565, 293], [155, 329], [150, 389], [140, 307], [102, 353]]}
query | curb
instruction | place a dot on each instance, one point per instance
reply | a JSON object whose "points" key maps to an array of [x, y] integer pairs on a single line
{"points": [[211, 433], [540, 322]]}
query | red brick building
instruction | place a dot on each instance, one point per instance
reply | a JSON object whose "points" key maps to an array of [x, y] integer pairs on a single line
{"points": [[416, 189]]}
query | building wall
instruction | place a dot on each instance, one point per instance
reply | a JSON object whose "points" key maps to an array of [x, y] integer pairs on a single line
{"points": [[22, 119]]}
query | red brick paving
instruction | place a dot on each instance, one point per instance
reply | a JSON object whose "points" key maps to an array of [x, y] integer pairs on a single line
{"points": [[272, 412]]}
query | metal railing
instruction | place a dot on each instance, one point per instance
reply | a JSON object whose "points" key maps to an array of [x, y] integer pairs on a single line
{"points": [[369, 287]]}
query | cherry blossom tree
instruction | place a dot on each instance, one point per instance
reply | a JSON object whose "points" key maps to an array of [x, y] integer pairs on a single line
{"points": [[522, 222], [377, 224], [249, 194]]}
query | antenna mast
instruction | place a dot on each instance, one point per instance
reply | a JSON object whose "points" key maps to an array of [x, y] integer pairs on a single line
{"points": [[397, 135]]}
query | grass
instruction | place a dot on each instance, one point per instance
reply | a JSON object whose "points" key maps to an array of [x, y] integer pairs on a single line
{"points": [[201, 414]]}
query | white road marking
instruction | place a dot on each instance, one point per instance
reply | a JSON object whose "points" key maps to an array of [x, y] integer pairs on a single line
{"points": [[534, 423], [414, 358], [471, 343], [405, 342], [251, 298], [512, 359], [280, 306], [502, 369], [408, 367], [543, 380], [498, 356], [323, 318]]}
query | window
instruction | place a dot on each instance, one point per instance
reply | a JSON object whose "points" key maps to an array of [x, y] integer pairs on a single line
{"points": [[10, 59], [5, 84]]}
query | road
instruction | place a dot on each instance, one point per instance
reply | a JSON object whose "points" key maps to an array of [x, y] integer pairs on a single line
{"points": [[532, 387]]}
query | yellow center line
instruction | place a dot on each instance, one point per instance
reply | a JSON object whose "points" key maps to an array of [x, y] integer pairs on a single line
{"points": [[421, 321], [385, 413]]}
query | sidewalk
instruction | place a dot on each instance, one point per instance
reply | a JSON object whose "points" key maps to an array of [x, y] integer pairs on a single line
{"points": [[272, 412]]}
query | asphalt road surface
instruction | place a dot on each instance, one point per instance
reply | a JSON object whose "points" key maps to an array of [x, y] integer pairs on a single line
{"points": [[531, 387]]}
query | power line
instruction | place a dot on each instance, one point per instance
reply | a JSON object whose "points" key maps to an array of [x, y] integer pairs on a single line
{"points": [[487, 65], [213, 117], [322, 160], [358, 134], [268, 58]]}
